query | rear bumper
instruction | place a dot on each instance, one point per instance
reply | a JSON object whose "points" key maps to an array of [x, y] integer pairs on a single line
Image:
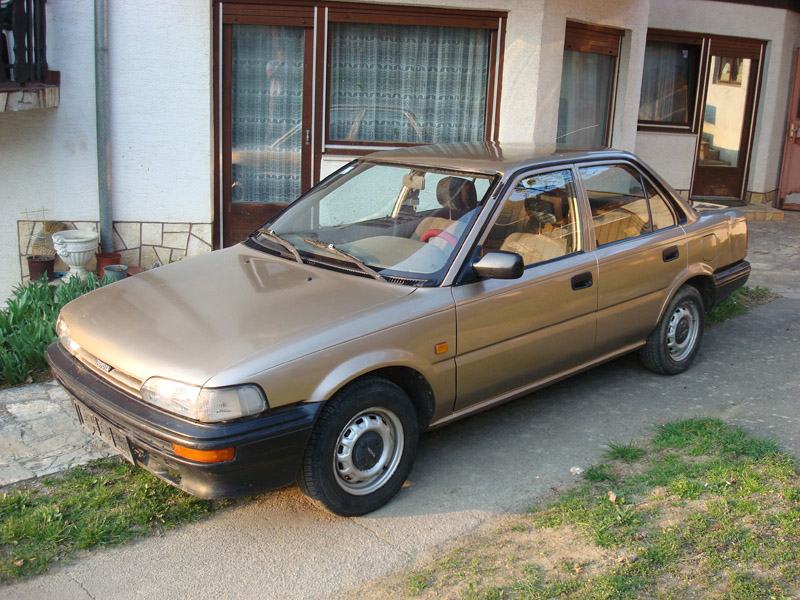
{"points": [[268, 448], [729, 279]]}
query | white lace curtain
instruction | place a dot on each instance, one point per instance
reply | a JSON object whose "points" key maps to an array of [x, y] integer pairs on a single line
{"points": [[267, 111], [665, 89], [401, 83], [586, 80]]}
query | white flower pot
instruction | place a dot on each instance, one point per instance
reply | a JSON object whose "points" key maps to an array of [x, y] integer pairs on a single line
{"points": [[76, 248]]}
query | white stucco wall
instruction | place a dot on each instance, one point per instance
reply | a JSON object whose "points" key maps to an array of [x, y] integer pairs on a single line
{"points": [[162, 146], [161, 143], [672, 155]]}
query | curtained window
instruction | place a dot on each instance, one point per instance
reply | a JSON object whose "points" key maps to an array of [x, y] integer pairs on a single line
{"points": [[587, 86], [266, 113], [407, 84], [669, 83], [584, 104]]}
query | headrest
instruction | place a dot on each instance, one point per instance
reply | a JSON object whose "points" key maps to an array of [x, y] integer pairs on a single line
{"points": [[457, 194]]}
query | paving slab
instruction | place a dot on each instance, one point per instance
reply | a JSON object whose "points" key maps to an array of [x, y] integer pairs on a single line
{"points": [[39, 433]]}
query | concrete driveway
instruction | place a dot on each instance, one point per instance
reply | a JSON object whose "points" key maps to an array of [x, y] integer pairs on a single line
{"points": [[281, 546]]}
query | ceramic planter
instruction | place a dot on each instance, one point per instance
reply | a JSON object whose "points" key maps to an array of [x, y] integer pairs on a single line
{"points": [[39, 264], [116, 272], [76, 248], [104, 259]]}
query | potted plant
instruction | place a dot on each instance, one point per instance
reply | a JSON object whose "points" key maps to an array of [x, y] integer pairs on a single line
{"points": [[42, 258]]}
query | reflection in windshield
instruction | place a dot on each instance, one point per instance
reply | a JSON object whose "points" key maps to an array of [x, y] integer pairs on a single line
{"points": [[398, 221]]}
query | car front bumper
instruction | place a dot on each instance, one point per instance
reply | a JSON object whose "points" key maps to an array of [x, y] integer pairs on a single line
{"points": [[268, 448], [729, 279]]}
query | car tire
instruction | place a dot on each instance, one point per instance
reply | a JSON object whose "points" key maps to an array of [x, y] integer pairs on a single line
{"points": [[674, 343], [361, 449]]}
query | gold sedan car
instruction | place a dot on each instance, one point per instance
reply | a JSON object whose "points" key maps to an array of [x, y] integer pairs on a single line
{"points": [[409, 289]]}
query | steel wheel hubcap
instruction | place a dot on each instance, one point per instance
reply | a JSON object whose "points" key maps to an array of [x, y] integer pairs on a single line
{"points": [[368, 450], [682, 331]]}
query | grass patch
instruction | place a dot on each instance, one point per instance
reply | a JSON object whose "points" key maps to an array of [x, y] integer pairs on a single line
{"points": [[104, 503], [739, 303], [27, 325], [702, 510], [625, 452]]}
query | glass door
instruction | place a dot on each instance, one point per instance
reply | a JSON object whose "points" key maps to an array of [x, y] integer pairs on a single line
{"points": [[266, 120], [728, 115]]}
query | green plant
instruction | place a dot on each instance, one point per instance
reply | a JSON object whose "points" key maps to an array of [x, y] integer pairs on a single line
{"points": [[739, 303], [624, 452], [27, 325], [104, 503]]}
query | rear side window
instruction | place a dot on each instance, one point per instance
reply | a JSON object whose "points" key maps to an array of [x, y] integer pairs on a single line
{"points": [[618, 202], [661, 213]]}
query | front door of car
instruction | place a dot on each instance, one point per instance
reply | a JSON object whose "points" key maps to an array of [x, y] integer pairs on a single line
{"points": [[641, 249], [514, 333]]}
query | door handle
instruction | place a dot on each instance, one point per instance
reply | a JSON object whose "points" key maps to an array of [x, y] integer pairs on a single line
{"points": [[670, 253], [582, 281]]}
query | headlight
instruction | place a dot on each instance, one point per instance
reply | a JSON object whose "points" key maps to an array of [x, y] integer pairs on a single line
{"points": [[204, 404], [62, 331]]}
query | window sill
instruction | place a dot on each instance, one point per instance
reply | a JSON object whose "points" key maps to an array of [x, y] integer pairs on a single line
{"points": [[678, 129]]}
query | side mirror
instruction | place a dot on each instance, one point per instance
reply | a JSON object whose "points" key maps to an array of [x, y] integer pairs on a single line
{"points": [[500, 265]]}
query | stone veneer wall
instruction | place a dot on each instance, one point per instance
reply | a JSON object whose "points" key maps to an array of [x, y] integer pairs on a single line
{"points": [[140, 244]]}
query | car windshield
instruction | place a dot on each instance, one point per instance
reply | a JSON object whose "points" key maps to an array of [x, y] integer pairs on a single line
{"points": [[389, 221]]}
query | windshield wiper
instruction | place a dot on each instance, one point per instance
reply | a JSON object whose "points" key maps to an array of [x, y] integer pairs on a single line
{"points": [[347, 256], [268, 233]]}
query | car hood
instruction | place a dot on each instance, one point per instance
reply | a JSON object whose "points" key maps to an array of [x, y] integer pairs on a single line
{"points": [[193, 319]]}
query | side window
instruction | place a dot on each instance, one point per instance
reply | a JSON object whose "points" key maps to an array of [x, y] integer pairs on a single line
{"points": [[661, 212], [618, 202], [537, 219]]}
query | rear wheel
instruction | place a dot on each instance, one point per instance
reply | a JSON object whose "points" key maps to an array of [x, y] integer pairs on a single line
{"points": [[362, 448], [674, 343]]}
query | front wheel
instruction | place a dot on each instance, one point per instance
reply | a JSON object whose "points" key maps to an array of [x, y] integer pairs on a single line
{"points": [[362, 448], [674, 343]]}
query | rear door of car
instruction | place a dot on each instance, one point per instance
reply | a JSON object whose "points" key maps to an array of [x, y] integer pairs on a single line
{"points": [[640, 249], [515, 333]]}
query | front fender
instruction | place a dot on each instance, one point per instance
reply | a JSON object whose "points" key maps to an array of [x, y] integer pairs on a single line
{"points": [[355, 367]]}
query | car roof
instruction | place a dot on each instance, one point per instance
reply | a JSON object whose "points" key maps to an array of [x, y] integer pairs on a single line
{"points": [[489, 157]]}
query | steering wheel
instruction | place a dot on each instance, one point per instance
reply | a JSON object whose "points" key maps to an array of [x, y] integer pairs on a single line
{"points": [[440, 233]]}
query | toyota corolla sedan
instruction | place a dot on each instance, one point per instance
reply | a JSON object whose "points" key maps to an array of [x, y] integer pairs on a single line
{"points": [[409, 289]]}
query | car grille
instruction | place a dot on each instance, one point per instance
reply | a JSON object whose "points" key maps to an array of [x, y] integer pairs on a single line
{"points": [[124, 381]]}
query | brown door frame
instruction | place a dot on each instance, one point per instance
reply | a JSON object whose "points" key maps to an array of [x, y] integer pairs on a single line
{"points": [[739, 48], [226, 212]]}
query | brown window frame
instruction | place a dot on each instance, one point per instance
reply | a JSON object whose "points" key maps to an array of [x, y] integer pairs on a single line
{"points": [[379, 14], [598, 39], [700, 43]]}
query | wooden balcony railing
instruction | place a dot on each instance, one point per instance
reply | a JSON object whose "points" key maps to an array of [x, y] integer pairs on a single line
{"points": [[23, 47]]}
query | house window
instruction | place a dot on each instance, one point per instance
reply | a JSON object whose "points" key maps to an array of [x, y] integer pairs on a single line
{"points": [[588, 79], [401, 84], [400, 76], [669, 83]]}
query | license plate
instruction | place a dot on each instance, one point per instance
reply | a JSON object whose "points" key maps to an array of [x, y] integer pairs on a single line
{"points": [[105, 431]]}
